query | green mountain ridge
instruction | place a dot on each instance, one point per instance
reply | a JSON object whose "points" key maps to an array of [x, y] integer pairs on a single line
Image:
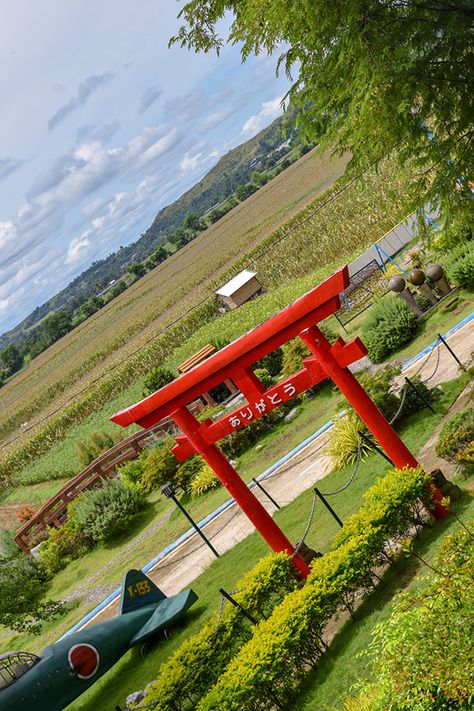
{"points": [[232, 169]]}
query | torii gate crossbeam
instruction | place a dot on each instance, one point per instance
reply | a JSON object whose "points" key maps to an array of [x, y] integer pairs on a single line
{"points": [[234, 361]]}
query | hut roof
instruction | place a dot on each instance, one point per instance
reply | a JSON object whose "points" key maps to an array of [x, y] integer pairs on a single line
{"points": [[236, 283]]}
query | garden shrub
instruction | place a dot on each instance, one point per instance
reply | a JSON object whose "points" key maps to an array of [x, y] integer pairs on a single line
{"points": [[388, 326], [390, 505], [264, 376], [186, 471], [343, 444], [413, 402], [156, 379], [160, 466], [100, 514], [422, 655], [272, 362], [199, 661], [459, 265], [22, 594], [266, 670], [131, 472], [204, 480], [378, 386], [456, 439], [63, 545], [96, 444], [240, 440]]}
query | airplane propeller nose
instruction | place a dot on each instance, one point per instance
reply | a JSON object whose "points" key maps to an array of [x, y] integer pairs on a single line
{"points": [[84, 660]]}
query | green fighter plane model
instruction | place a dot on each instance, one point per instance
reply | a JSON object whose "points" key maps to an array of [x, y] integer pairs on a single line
{"points": [[64, 670]]}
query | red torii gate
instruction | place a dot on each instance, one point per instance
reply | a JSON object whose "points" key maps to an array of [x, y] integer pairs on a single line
{"points": [[234, 361]]}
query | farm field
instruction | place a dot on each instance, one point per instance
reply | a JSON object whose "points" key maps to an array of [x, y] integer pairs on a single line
{"points": [[158, 298], [87, 368]]}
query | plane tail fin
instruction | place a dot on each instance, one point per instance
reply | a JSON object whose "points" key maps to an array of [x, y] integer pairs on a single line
{"points": [[137, 591]]}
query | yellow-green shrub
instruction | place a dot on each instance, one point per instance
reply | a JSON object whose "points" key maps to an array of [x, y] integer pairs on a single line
{"points": [[266, 670], [201, 659]]}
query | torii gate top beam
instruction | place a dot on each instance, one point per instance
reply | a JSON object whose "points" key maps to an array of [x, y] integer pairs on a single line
{"points": [[235, 359]]}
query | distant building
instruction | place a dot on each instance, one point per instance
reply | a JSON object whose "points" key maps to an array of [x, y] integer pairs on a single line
{"points": [[239, 289]]}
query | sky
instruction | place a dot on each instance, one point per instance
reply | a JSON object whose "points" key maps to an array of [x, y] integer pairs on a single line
{"points": [[101, 125]]}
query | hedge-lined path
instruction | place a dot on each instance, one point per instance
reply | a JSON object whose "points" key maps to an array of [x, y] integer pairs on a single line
{"points": [[179, 568]]}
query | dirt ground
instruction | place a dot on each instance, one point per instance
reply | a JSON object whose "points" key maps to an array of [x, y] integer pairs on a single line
{"points": [[189, 560]]}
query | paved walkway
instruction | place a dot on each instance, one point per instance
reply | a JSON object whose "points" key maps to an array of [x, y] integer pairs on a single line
{"points": [[178, 569]]}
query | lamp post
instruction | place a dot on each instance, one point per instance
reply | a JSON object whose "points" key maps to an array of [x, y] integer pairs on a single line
{"points": [[168, 490]]}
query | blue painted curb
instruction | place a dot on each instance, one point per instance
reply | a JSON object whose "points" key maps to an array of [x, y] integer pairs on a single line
{"points": [[432, 345], [229, 502]]}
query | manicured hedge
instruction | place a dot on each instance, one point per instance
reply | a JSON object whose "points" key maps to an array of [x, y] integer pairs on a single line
{"points": [[200, 660], [267, 669], [423, 655]]}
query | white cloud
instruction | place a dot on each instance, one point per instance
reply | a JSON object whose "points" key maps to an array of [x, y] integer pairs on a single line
{"points": [[188, 164], [9, 166], [78, 248], [149, 97], [269, 111]]}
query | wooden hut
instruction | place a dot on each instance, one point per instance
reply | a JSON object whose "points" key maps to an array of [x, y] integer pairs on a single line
{"points": [[239, 289]]}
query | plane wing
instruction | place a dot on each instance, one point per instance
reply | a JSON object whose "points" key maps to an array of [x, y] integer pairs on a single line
{"points": [[168, 610]]}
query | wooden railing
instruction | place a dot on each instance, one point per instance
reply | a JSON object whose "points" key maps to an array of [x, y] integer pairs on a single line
{"points": [[54, 511]]}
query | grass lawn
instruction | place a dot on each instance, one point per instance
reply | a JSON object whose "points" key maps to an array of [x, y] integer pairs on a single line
{"points": [[134, 670]]}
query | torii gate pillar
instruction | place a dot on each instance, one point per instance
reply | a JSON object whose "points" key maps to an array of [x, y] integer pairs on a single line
{"points": [[229, 477], [365, 407]]}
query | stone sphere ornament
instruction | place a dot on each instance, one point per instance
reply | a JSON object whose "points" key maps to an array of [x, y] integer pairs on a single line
{"points": [[396, 284], [417, 277], [435, 272]]}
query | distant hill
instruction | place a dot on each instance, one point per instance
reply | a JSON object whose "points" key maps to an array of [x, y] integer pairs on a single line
{"points": [[217, 185]]}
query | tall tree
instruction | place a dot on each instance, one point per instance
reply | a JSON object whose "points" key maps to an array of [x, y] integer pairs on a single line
{"points": [[371, 75], [57, 325], [11, 359]]}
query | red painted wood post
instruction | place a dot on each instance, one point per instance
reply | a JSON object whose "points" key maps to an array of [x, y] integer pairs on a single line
{"points": [[365, 408], [244, 498]]}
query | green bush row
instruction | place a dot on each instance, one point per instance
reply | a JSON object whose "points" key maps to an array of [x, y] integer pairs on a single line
{"points": [[422, 655], [267, 669], [197, 664]]}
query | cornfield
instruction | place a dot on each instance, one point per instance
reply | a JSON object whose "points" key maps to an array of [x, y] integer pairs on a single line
{"points": [[142, 327]]}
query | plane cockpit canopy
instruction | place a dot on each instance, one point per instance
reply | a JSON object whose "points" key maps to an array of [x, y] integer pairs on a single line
{"points": [[13, 665]]}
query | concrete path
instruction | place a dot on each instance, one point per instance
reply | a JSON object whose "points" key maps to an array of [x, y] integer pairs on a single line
{"points": [[183, 565], [178, 569]]}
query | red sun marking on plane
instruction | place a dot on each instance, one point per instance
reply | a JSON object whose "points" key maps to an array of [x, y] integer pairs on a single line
{"points": [[84, 660]]}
